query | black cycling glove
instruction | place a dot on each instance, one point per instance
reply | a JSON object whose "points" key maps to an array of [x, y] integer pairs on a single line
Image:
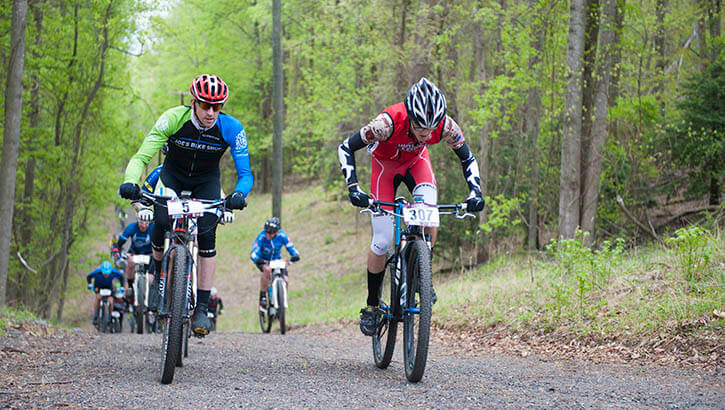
{"points": [[295, 258], [130, 191], [358, 197], [235, 200], [475, 202]]}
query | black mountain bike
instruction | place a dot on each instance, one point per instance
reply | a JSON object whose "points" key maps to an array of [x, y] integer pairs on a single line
{"points": [[179, 274], [411, 284]]}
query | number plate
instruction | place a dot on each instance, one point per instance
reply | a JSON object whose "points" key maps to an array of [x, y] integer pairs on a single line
{"points": [[421, 214], [179, 208], [105, 292], [277, 264], [142, 259]]}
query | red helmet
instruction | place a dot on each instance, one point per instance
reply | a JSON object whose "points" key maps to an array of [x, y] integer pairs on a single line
{"points": [[209, 88]]}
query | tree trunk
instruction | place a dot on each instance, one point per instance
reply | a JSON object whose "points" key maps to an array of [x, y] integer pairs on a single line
{"points": [[599, 127], [588, 81], [278, 110], [569, 190], [533, 120], [659, 40], [11, 136], [420, 49]]}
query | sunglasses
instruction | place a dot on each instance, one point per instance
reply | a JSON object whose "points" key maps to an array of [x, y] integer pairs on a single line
{"points": [[205, 106], [418, 128]]}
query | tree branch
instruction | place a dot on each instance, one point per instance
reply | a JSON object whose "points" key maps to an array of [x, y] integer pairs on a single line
{"points": [[639, 224]]}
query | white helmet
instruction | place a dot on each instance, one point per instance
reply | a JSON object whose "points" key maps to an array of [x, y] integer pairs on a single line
{"points": [[213, 291], [425, 104]]}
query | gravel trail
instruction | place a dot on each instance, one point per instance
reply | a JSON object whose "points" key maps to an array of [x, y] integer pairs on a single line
{"points": [[322, 368]]}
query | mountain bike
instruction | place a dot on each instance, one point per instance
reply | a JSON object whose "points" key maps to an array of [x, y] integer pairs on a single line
{"points": [[105, 309], [411, 284], [178, 279], [139, 316], [276, 307]]}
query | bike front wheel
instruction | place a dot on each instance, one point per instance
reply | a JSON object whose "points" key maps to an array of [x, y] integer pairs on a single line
{"points": [[418, 310], [138, 311], [106, 318], [388, 327], [281, 312], [176, 296]]}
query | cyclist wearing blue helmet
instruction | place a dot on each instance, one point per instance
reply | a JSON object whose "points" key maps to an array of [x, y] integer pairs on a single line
{"points": [[102, 278]]}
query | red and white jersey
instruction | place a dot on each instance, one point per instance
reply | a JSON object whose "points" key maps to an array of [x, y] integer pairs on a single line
{"points": [[388, 135]]}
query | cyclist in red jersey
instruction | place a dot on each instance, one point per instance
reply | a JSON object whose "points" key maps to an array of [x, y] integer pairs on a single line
{"points": [[397, 139]]}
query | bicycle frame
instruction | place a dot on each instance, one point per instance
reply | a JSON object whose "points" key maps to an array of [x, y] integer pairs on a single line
{"points": [[182, 236], [410, 303]]}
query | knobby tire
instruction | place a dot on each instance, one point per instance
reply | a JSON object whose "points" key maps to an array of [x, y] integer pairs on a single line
{"points": [[138, 312], [420, 289], [281, 311], [388, 326], [265, 320], [173, 332], [106, 320]]}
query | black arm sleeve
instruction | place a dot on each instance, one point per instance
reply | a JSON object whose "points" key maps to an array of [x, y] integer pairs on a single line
{"points": [[470, 168], [346, 156]]}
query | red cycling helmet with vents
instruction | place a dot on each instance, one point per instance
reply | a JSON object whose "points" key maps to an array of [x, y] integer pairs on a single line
{"points": [[209, 88]]}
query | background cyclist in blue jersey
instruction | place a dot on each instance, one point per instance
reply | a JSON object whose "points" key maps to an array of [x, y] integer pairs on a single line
{"points": [[197, 136], [267, 247], [102, 278], [138, 234]]}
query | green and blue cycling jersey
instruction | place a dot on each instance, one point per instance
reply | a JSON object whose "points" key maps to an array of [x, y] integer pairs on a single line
{"points": [[194, 152]]}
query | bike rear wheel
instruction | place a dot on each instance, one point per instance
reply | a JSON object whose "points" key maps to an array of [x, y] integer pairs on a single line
{"points": [[175, 298], [388, 327], [265, 320], [184, 343], [281, 312], [138, 311], [187, 337], [418, 309]]}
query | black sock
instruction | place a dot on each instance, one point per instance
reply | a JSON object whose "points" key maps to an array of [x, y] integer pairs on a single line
{"points": [[374, 282], [262, 294], [203, 299]]}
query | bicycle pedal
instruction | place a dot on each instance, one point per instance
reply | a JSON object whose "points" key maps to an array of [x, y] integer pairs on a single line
{"points": [[200, 332]]}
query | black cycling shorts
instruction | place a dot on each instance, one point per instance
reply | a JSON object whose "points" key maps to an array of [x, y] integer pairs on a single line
{"points": [[207, 186]]}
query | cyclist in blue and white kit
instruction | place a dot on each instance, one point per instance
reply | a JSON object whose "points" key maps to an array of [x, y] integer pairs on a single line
{"points": [[102, 278], [139, 235], [267, 247], [197, 136]]}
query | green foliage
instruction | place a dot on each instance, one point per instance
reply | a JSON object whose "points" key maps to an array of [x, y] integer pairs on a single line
{"points": [[697, 139], [501, 216], [695, 249], [578, 270]]}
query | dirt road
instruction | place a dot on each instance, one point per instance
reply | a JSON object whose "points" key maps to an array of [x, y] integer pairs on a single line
{"points": [[320, 368]]}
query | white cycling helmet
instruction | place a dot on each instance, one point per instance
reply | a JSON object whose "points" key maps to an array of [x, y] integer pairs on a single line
{"points": [[425, 104], [213, 291]]}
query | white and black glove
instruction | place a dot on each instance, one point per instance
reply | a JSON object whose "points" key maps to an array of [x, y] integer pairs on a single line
{"points": [[358, 197], [228, 217], [475, 202]]}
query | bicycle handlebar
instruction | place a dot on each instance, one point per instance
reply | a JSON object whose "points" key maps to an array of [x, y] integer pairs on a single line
{"points": [[459, 210], [156, 199]]}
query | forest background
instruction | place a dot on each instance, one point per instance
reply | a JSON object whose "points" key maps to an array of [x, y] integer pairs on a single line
{"points": [[605, 116]]}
